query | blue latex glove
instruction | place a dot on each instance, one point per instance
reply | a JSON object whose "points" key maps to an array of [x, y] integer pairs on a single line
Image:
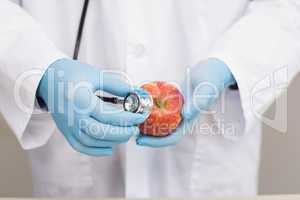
{"points": [[90, 125], [203, 85]]}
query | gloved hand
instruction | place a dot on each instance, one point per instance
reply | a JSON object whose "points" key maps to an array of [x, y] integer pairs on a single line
{"points": [[90, 125], [202, 87]]}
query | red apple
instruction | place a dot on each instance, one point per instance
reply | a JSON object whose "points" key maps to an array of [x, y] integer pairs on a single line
{"points": [[166, 112]]}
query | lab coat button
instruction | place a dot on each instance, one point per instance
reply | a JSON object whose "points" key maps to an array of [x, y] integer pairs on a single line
{"points": [[138, 50]]}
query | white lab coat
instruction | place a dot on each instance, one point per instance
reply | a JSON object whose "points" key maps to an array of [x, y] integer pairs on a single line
{"points": [[150, 40]]}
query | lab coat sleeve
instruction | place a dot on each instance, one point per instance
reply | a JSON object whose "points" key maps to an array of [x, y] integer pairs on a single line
{"points": [[262, 50], [25, 53]]}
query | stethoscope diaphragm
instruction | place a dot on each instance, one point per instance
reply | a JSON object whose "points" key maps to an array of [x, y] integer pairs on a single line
{"points": [[138, 101]]}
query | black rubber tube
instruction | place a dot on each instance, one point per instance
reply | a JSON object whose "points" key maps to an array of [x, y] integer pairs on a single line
{"points": [[80, 29]]}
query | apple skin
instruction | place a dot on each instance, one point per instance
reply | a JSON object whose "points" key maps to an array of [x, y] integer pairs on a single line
{"points": [[165, 115]]}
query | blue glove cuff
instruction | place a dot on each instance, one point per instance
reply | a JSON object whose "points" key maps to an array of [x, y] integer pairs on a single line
{"points": [[225, 76]]}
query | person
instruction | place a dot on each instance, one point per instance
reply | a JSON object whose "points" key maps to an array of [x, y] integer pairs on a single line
{"points": [[225, 42]]}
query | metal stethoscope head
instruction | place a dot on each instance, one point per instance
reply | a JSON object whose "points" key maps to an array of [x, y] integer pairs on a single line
{"points": [[138, 101]]}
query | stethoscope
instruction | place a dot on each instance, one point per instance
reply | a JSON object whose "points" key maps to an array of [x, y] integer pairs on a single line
{"points": [[137, 101]]}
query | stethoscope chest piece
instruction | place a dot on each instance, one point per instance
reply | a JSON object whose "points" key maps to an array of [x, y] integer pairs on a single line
{"points": [[138, 102]]}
